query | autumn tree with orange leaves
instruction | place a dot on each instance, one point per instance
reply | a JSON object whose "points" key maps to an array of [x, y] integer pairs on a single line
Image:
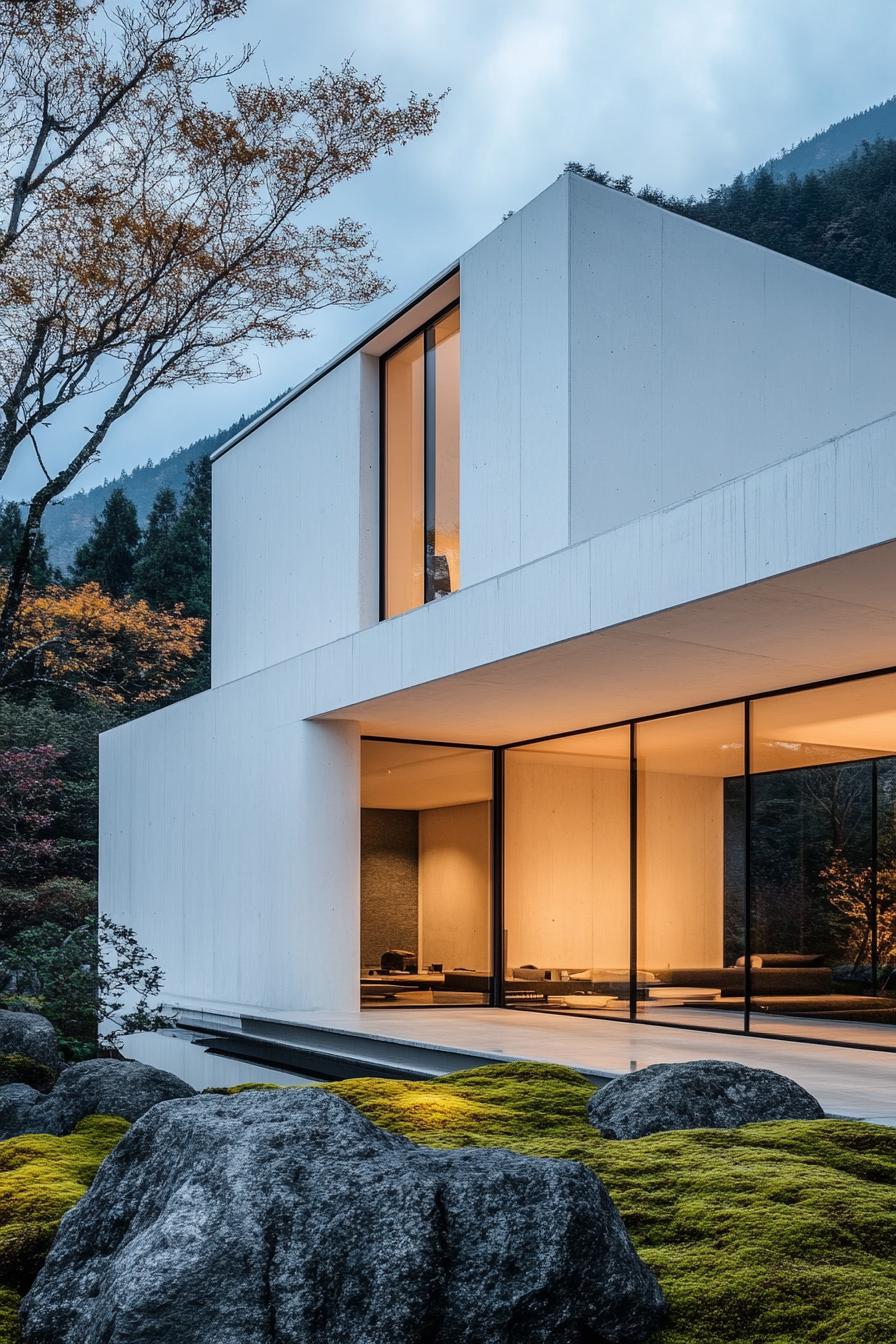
{"points": [[148, 237], [116, 649]]}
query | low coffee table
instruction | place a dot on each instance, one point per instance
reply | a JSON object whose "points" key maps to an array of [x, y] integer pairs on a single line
{"points": [[392, 984]]}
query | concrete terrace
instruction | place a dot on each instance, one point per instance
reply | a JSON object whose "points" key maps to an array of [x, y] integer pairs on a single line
{"points": [[852, 1082]]}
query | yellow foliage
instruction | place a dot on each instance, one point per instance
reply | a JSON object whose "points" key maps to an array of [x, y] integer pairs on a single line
{"points": [[117, 648]]}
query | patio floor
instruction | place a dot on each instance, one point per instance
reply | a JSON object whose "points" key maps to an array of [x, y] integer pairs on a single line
{"points": [[854, 1082]]}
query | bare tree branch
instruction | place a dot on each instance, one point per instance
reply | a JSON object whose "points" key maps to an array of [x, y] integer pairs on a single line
{"points": [[150, 238]]}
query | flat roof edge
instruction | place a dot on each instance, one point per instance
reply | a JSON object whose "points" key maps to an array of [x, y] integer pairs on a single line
{"points": [[417, 297]]}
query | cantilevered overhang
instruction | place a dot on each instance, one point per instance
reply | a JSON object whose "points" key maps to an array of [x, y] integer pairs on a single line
{"points": [[831, 619], [782, 578]]}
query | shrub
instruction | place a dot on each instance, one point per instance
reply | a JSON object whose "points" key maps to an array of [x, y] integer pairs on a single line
{"points": [[93, 978], [64, 901], [24, 1069]]}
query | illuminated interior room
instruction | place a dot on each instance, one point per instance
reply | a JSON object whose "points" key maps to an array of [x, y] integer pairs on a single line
{"points": [[728, 868], [426, 875]]}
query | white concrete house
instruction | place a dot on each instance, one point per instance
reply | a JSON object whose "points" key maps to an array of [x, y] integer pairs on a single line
{"points": [[553, 646]]}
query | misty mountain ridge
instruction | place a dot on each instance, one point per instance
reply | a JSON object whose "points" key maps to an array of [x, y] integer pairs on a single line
{"points": [[67, 524], [821, 151]]}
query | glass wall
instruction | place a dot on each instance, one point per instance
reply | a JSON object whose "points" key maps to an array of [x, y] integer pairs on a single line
{"points": [[443, 511], [690, 867], [823, 848], [426, 875], [421, 467], [403, 495], [671, 872], [566, 878]]}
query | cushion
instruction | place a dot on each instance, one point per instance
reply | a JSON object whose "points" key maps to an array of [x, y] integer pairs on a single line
{"points": [[754, 961], [600, 973], [541, 973], [791, 960]]}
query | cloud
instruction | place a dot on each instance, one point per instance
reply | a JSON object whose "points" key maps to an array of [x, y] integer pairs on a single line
{"points": [[680, 93]]}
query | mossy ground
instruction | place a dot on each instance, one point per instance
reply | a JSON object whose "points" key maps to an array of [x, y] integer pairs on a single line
{"points": [[779, 1233], [41, 1177]]}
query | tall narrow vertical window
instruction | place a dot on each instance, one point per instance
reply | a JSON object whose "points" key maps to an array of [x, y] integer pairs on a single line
{"points": [[421, 467]]}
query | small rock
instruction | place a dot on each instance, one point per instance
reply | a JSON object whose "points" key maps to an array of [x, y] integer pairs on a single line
{"points": [[94, 1087], [703, 1094], [29, 1034], [286, 1215]]}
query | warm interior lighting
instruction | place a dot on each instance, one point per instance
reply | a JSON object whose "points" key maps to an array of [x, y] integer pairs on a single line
{"points": [[421, 451], [425, 873]]}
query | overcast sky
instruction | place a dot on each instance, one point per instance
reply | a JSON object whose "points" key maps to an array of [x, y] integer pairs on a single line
{"points": [[680, 93]]}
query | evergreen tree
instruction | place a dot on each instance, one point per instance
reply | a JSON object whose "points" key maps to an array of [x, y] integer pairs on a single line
{"points": [[193, 533], [108, 555], [11, 528], [157, 572], [842, 220]]}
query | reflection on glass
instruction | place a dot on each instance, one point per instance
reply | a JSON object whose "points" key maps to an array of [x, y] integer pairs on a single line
{"points": [[566, 874], [443, 509], [426, 898], [690, 868], [822, 850]]}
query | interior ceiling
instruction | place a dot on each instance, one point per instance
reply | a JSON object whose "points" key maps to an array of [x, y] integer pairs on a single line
{"points": [[408, 776], [828, 620]]}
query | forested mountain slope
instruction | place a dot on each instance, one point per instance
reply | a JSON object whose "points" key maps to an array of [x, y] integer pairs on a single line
{"points": [[819, 152]]}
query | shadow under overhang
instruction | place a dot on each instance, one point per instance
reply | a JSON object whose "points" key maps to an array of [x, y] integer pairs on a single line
{"points": [[825, 621]]}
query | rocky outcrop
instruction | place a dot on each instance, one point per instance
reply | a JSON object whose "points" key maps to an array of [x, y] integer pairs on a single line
{"points": [[276, 1216], [29, 1034], [703, 1094], [95, 1087]]}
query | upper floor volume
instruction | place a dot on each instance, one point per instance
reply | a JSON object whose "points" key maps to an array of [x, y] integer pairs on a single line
{"points": [[593, 360]]}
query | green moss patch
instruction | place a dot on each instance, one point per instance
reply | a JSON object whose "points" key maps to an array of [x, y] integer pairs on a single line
{"points": [[779, 1233], [41, 1177]]}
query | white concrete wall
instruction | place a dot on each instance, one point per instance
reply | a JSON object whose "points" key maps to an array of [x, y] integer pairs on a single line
{"points": [[616, 359], [514, 496], [697, 358], [295, 526], [229, 840]]}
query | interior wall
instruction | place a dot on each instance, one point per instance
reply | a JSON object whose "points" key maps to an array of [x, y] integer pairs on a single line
{"points": [[389, 882], [455, 886], [566, 863], [680, 871]]}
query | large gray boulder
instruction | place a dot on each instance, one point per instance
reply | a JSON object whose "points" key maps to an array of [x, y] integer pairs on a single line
{"points": [[29, 1034], [286, 1217], [95, 1087], [703, 1094]]}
